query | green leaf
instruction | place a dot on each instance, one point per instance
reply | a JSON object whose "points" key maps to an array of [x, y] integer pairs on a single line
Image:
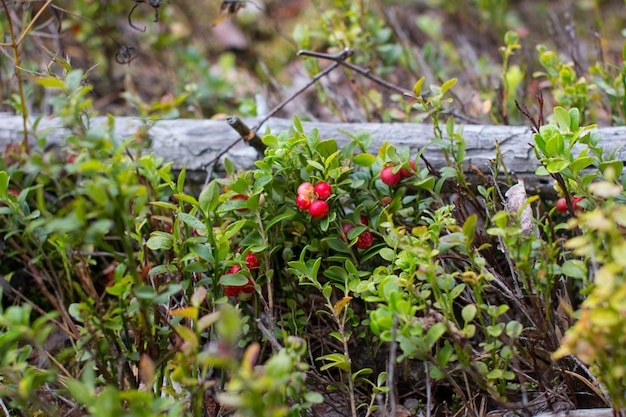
{"points": [[448, 85], [417, 88], [387, 254], [615, 165], [313, 397], [233, 229], [144, 292], [495, 374], [316, 165], [201, 251], [50, 82], [581, 163], [469, 312], [444, 355], [236, 280], [160, 241], [297, 124], [192, 221], [335, 360], [427, 183], [364, 159], [514, 329], [557, 166], [209, 197], [563, 118], [469, 229], [252, 239], [80, 392], [328, 149], [456, 291], [434, 334], [555, 146], [574, 115], [574, 268], [287, 215], [540, 143], [4, 183]]}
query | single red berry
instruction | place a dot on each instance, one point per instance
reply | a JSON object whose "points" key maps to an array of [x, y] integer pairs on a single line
{"points": [[13, 192], [248, 288], [323, 190], [303, 202], [318, 209], [232, 291], [240, 197], [575, 201], [406, 173], [306, 189], [364, 221], [234, 269], [346, 228], [561, 205], [365, 240], [388, 177], [71, 159], [252, 261]]}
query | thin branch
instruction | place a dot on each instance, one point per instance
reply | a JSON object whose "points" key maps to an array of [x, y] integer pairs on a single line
{"points": [[392, 366], [343, 55], [367, 74], [246, 133]]}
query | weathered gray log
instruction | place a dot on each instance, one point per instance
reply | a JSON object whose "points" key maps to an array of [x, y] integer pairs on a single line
{"points": [[196, 143]]}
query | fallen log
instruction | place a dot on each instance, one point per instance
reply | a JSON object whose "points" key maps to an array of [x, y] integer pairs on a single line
{"points": [[196, 144]]}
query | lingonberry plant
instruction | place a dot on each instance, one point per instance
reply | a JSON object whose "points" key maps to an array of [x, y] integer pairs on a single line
{"points": [[355, 276]]}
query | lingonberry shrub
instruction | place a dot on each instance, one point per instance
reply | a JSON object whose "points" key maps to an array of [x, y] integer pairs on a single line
{"points": [[466, 294]]}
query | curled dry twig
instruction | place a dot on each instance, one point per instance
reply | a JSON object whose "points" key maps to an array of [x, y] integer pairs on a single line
{"points": [[155, 4]]}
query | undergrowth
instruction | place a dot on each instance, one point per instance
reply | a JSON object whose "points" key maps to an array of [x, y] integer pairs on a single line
{"points": [[364, 279]]}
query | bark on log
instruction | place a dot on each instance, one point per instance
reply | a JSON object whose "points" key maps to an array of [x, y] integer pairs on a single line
{"points": [[195, 143]]}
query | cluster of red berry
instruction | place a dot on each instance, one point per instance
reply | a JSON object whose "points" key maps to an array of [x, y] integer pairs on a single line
{"points": [[244, 291], [365, 239], [313, 198], [561, 203], [391, 178]]}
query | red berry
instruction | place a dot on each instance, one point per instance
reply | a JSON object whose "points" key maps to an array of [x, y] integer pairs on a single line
{"points": [[248, 288], [232, 291], [561, 205], [364, 221], [323, 190], [575, 201], [318, 209], [234, 269], [13, 192], [302, 202], [71, 159], [346, 228], [388, 177], [240, 197], [406, 173], [365, 240], [252, 261], [306, 189]]}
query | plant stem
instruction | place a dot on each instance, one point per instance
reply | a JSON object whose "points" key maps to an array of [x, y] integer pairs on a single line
{"points": [[18, 73]]}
